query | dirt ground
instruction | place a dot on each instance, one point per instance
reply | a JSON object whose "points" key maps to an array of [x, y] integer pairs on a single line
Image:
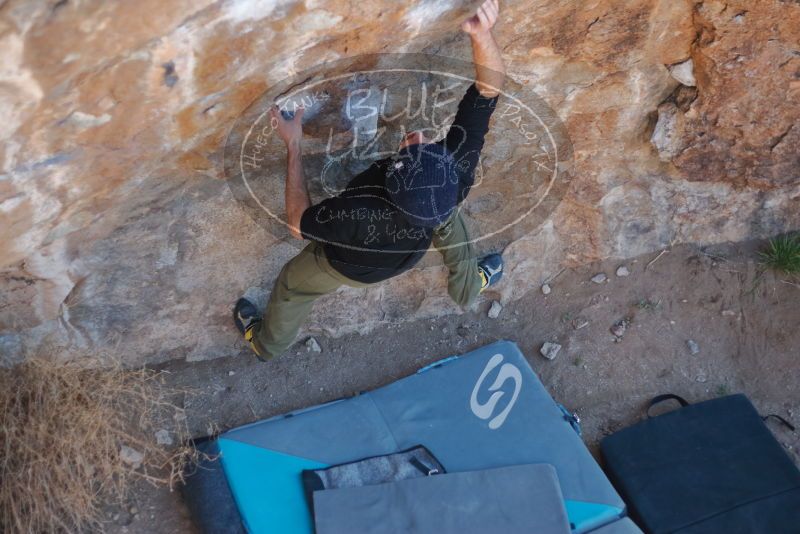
{"points": [[744, 323]]}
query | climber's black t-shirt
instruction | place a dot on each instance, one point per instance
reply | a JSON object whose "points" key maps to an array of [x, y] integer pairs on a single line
{"points": [[365, 237]]}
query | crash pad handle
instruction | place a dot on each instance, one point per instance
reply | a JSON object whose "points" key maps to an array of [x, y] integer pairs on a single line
{"points": [[780, 419], [665, 397]]}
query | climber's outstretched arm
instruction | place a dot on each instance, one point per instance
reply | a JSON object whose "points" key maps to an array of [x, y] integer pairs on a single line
{"points": [[297, 199], [490, 70]]}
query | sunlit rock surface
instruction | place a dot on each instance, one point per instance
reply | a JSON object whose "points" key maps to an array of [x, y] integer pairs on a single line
{"points": [[120, 234]]}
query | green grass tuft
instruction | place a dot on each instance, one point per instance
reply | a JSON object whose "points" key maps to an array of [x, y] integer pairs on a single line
{"points": [[649, 305], [783, 254]]}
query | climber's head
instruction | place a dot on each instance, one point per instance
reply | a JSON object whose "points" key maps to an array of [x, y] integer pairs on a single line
{"points": [[417, 137]]}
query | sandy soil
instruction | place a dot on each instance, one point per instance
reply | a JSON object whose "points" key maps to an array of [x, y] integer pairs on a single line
{"points": [[745, 324]]}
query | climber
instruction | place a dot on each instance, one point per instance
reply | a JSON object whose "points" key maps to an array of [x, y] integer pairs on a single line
{"points": [[381, 225]]}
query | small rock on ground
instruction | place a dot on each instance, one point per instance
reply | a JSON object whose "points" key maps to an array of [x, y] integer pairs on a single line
{"points": [[580, 322], [620, 327], [599, 278], [546, 289], [312, 345], [623, 271], [131, 456], [163, 438], [494, 311], [694, 348], [550, 350]]}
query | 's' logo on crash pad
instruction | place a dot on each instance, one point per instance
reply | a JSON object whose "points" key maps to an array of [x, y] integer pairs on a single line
{"points": [[486, 410]]}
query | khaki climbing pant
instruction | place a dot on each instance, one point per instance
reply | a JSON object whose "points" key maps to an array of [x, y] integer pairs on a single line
{"points": [[309, 276]]}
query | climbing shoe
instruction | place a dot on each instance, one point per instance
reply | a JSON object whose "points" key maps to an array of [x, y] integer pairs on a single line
{"points": [[490, 269], [246, 318]]}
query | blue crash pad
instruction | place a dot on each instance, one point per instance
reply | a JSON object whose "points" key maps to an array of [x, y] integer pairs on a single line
{"points": [[482, 410]]}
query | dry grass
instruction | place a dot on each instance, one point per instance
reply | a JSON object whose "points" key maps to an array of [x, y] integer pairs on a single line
{"points": [[63, 427]]}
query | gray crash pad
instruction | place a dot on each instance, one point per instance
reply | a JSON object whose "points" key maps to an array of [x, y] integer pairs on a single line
{"points": [[622, 526], [512, 500]]}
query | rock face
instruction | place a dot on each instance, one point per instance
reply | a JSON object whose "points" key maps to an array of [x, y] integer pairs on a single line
{"points": [[120, 235]]}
